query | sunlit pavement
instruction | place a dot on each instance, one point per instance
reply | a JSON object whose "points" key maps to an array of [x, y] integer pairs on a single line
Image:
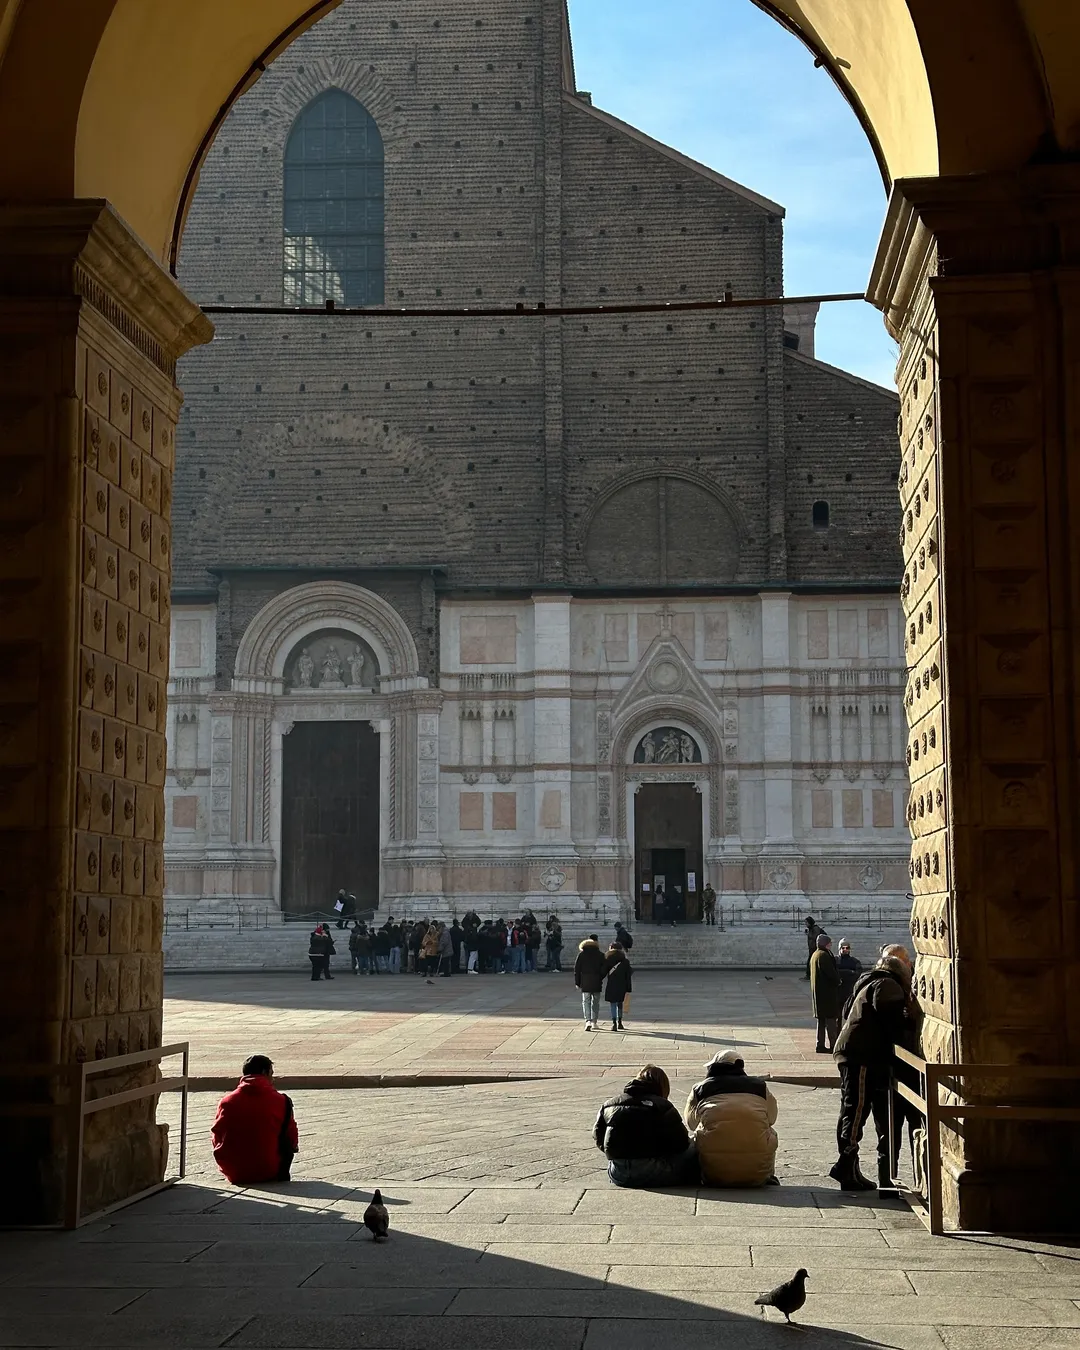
{"points": [[491, 1024], [505, 1233]]}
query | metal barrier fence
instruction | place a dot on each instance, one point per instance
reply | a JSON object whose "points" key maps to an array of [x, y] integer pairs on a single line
{"points": [[238, 918], [76, 1109], [936, 1112]]}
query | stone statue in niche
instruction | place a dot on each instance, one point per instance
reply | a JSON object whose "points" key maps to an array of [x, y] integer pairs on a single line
{"points": [[331, 668], [667, 745], [356, 668], [305, 669]]}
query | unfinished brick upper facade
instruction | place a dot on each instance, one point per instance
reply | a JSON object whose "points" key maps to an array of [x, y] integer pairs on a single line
{"points": [[435, 461]]}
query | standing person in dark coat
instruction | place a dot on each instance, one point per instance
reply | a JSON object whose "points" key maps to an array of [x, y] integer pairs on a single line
{"points": [[589, 969], [554, 944], [850, 969], [348, 908], [883, 1013], [643, 1136], [622, 936], [320, 950], [825, 994], [358, 948], [708, 914], [372, 943], [470, 945], [659, 906], [382, 948], [457, 936], [813, 928], [618, 986]]}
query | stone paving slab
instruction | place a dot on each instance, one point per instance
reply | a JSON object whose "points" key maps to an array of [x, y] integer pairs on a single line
{"points": [[497, 1332], [743, 1334]]}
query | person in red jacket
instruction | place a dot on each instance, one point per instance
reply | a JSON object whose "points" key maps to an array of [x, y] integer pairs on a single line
{"points": [[254, 1132]]}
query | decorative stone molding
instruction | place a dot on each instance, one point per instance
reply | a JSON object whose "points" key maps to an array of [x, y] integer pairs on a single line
{"points": [[275, 630]]}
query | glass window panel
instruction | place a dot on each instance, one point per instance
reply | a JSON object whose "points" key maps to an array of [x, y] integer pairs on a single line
{"points": [[333, 209]]}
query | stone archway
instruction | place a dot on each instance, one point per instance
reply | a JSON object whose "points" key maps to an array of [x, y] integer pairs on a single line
{"points": [[103, 103]]}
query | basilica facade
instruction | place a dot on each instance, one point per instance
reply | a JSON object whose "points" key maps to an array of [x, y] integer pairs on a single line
{"points": [[516, 610]]}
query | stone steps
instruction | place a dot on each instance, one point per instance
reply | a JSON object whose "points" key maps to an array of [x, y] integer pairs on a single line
{"points": [[691, 946]]}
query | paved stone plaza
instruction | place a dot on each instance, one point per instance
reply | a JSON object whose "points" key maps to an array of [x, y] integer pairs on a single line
{"points": [[505, 1233], [490, 1024]]}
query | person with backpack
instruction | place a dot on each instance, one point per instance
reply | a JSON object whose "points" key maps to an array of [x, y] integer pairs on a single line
{"points": [[254, 1133]]}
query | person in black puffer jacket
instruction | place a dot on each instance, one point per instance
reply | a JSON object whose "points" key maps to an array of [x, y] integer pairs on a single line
{"points": [[643, 1136], [881, 1013]]}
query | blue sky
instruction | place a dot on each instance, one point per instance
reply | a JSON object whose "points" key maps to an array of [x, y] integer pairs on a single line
{"points": [[722, 82]]}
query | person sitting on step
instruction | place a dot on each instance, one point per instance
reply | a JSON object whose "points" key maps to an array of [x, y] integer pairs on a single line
{"points": [[731, 1116], [643, 1136], [254, 1133]]}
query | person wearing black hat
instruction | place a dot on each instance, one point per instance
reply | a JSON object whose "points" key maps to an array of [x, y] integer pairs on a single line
{"points": [[813, 928]]}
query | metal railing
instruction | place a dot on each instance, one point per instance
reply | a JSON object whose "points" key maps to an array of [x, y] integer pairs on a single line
{"points": [[930, 1208], [74, 1111]]}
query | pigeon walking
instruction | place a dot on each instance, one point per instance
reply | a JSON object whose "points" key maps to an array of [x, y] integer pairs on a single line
{"points": [[788, 1297], [377, 1221]]}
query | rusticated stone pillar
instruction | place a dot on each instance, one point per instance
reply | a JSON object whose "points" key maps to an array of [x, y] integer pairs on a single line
{"points": [[91, 327], [979, 280]]}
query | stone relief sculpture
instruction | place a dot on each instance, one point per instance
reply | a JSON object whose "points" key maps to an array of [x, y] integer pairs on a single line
{"points": [[667, 745], [356, 668], [305, 668]]}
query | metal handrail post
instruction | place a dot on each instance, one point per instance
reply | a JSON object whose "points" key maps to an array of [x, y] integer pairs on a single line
{"points": [[934, 1198], [184, 1112]]}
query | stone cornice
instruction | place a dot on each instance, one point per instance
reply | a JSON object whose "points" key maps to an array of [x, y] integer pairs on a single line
{"points": [[83, 249], [981, 224]]}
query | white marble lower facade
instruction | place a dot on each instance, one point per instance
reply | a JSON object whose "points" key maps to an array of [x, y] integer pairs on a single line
{"points": [[516, 781]]}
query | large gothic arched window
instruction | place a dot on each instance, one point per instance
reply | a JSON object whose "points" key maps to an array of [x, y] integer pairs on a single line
{"points": [[334, 204]]}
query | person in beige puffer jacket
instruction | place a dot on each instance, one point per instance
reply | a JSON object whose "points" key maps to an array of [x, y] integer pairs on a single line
{"points": [[730, 1117]]}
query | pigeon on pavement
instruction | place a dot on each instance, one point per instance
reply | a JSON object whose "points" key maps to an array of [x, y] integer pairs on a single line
{"points": [[377, 1220], [788, 1297]]}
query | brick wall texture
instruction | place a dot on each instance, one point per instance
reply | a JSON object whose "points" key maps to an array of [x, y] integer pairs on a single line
{"points": [[630, 450]]}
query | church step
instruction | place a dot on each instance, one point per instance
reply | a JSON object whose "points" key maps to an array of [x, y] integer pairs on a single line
{"points": [[692, 946]]}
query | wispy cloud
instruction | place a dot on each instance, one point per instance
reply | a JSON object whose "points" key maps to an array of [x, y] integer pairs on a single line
{"points": [[724, 83]]}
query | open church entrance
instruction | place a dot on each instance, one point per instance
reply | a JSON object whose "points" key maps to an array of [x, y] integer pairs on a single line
{"points": [[667, 842], [329, 815]]}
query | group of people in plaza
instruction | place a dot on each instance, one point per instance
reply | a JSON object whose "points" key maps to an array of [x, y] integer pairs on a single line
{"points": [[433, 947], [725, 1137]]}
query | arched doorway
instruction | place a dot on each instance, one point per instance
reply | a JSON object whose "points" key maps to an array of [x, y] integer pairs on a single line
{"points": [[112, 102]]}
